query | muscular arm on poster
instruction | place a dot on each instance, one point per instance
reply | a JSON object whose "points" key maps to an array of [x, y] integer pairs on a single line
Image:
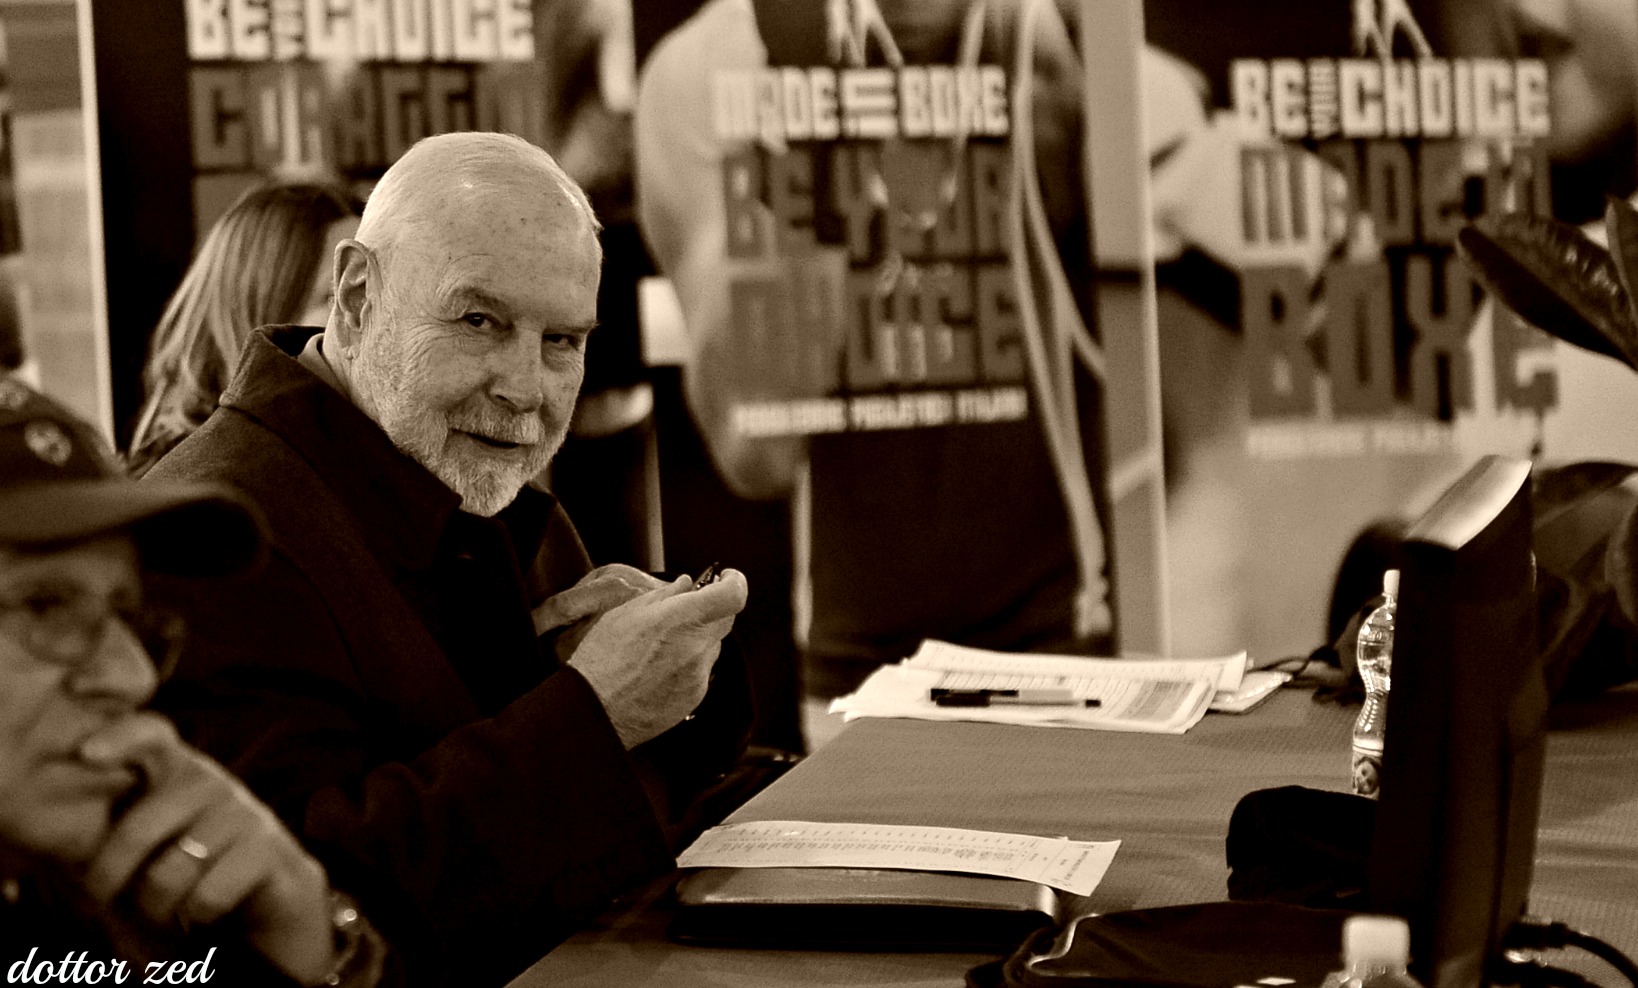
{"points": [[681, 208]]}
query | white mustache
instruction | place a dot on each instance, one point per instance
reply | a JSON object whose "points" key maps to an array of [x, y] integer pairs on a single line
{"points": [[522, 429]]}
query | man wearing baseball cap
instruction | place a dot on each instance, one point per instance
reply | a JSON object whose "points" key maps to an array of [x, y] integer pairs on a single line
{"points": [[59, 483], [116, 839]]}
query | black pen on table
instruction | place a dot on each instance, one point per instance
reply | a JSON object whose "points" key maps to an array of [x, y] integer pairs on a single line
{"points": [[1041, 697]]}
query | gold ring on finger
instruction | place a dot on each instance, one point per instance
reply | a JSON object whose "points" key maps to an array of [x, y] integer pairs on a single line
{"points": [[193, 848]]}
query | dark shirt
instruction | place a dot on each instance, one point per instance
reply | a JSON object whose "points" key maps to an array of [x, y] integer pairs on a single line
{"points": [[954, 533], [381, 686]]}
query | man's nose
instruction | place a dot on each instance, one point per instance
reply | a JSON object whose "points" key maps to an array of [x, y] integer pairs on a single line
{"points": [[519, 378], [121, 672]]}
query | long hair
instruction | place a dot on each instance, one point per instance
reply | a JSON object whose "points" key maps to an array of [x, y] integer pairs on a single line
{"points": [[255, 269]]}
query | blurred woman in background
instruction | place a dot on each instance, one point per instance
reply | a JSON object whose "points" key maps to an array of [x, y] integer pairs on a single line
{"points": [[265, 262]]}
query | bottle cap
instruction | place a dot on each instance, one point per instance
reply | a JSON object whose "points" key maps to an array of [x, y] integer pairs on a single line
{"points": [[1390, 583], [1381, 941]]}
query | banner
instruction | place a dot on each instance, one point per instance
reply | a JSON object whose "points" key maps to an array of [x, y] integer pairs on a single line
{"points": [[901, 314], [344, 87], [874, 221], [1327, 360], [200, 99]]}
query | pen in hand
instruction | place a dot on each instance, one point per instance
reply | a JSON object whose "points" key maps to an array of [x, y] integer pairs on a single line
{"points": [[708, 576], [1047, 697]]}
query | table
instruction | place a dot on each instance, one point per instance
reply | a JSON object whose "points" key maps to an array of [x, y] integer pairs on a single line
{"points": [[1167, 798]]}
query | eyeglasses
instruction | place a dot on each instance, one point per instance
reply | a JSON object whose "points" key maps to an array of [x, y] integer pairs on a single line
{"points": [[66, 626]]}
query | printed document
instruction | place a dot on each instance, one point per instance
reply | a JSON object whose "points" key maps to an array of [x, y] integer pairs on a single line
{"points": [[1073, 866], [1159, 696]]}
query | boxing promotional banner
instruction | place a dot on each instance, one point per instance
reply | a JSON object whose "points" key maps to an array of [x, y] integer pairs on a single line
{"points": [[1328, 362]]}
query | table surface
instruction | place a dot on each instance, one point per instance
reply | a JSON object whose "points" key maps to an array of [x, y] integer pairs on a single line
{"points": [[1166, 798]]}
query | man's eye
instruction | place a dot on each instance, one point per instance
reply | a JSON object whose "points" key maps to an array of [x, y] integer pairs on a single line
{"points": [[49, 604], [477, 320], [563, 341], [51, 608]]}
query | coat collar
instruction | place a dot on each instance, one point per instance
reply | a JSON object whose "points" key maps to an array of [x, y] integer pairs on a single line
{"points": [[404, 508]]}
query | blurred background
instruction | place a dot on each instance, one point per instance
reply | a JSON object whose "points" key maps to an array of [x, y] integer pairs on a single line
{"points": [[1149, 411]]}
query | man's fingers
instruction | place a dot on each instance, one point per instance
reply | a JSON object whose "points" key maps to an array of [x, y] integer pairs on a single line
{"points": [[629, 575], [168, 880], [575, 603], [714, 601], [137, 836], [603, 590], [681, 606], [580, 602], [230, 879], [143, 739], [649, 598], [149, 825], [201, 850], [737, 587]]}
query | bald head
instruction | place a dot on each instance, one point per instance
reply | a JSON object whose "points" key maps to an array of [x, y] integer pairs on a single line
{"points": [[462, 309], [455, 174]]}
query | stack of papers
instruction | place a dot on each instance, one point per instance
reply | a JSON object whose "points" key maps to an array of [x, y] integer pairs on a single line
{"points": [[1157, 696]]}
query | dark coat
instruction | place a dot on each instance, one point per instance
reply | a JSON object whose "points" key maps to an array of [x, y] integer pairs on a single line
{"points": [[381, 686]]}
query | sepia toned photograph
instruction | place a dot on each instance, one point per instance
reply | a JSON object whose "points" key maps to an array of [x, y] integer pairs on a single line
{"points": [[819, 493]]}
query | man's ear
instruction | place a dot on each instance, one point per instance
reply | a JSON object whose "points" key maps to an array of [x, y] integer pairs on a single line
{"points": [[354, 267]]}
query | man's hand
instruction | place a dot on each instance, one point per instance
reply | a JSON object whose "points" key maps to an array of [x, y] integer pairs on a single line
{"points": [[597, 593], [196, 846], [601, 590], [649, 659]]}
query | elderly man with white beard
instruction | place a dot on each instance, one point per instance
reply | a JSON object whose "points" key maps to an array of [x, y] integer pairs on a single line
{"points": [[482, 738]]}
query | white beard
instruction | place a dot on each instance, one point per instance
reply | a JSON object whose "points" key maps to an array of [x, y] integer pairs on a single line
{"points": [[486, 481]]}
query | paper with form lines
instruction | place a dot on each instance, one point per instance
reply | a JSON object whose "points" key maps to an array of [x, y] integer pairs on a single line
{"points": [[1150, 696], [1073, 866], [1225, 671]]}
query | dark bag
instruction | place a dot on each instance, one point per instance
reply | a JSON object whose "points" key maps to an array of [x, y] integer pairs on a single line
{"points": [[1297, 860], [1205, 945], [1301, 846]]}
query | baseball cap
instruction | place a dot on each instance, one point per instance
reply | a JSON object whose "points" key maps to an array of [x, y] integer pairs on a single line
{"points": [[60, 483]]}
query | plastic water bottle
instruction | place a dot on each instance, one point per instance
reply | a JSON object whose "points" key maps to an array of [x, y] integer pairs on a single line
{"points": [[1375, 660], [1375, 954]]}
